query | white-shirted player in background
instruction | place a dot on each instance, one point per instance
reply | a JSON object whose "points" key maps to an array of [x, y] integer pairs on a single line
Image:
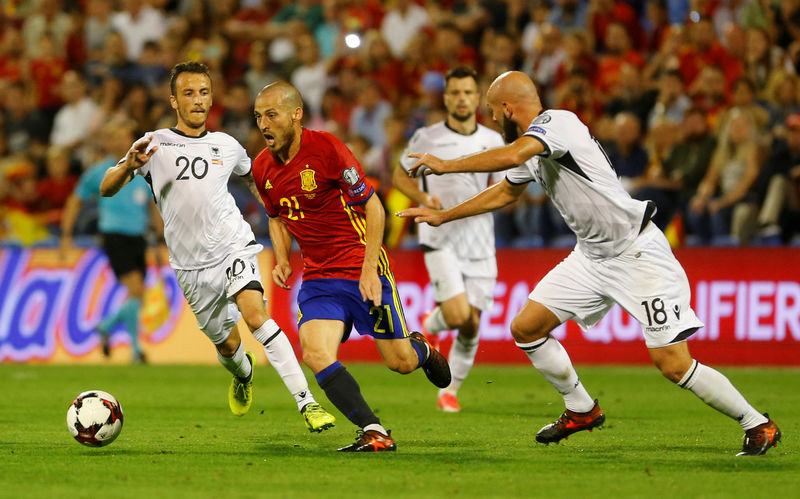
{"points": [[620, 258], [211, 247], [460, 257]]}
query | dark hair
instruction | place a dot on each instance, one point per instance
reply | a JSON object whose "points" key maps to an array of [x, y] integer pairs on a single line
{"points": [[461, 72], [186, 67]]}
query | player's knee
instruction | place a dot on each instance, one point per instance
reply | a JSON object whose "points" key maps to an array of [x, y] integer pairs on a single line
{"points": [[525, 333], [227, 348], [316, 360], [673, 371], [254, 317], [458, 317], [403, 365]]}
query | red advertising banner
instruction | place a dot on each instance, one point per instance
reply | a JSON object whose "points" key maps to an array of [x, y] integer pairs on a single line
{"points": [[749, 300]]}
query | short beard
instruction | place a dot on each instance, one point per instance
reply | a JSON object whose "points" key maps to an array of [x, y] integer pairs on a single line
{"points": [[186, 119], [284, 151], [510, 132], [462, 118]]}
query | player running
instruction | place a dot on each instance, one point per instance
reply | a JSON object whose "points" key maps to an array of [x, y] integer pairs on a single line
{"points": [[211, 247], [460, 257], [620, 258], [314, 190]]}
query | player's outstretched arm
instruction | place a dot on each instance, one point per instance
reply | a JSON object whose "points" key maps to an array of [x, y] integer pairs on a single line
{"points": [[409, 187], [281, 247], [494, 197], [117, 176], [493, 160], [370, 284]]}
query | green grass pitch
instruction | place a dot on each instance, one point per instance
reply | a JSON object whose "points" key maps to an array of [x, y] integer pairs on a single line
{"points": [[180, 440]]}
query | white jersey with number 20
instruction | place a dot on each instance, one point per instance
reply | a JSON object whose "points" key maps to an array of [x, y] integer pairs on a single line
{"points": [[189, 179]]}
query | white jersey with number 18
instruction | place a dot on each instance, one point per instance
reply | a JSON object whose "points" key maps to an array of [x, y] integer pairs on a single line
{"points": [[189, 179], [580, 180]]}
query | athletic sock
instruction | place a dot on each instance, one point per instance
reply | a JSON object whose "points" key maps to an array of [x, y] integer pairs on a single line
{"points": [[281, 356], [716, 390], [237, 363], [129, 315], [422, 349], [343, 391], [435, 322], [552, 361], [377, 427], [461, 359]]}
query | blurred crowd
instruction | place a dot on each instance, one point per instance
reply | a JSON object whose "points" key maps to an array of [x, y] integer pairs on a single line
{"points": [[696, 102]]}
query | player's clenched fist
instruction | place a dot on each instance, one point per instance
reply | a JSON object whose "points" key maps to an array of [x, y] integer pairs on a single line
{"points": [[281, 274]]}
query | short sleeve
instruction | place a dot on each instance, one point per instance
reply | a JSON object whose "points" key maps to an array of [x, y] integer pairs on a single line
{"points": [[520, 174], [243, 165], [551, 136], [88, 187], [354, 184], [416, 144]]}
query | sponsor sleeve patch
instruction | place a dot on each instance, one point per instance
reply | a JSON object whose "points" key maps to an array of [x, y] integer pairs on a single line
{"points": [[537, 129]]}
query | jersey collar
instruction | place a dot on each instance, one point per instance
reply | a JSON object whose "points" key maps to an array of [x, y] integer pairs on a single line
{"points": [[456, 131], [189, 136]]}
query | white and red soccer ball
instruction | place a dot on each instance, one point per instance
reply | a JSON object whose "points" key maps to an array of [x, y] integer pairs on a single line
{"points": [[94, 418]]}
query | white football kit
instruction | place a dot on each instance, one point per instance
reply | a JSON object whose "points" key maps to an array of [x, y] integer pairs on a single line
{"points": [[211, 247], [620, 257], [460, 255]]}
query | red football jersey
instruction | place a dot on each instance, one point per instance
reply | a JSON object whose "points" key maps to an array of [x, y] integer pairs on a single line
{"points": [[319, 194]]}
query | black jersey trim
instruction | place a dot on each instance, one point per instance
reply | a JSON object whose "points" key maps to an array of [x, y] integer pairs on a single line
{"points": [[248, 172], [547, 151], [175, 130], [446, 124], [568, 162]]}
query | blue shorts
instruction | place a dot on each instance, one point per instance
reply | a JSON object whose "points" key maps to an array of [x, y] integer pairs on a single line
{"points": [[340, 299]]}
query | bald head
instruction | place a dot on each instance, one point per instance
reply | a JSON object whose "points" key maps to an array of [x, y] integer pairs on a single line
{"points": [[286, 93], [514, 88]]}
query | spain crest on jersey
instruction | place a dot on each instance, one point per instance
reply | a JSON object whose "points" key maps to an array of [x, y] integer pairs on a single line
{"points": [[307, 182]]}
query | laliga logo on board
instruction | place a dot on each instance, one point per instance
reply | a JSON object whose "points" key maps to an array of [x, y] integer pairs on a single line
{"points": [[45, 306]]}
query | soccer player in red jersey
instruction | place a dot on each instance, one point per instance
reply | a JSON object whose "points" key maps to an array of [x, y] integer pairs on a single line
{"points": [[314, 190]]}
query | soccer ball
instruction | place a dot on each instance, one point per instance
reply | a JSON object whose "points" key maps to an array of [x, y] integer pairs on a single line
{"points": [[94, 418]]}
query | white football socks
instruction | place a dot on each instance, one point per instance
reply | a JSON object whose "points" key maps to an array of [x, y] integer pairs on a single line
{"points": [[461, 359], [551, 359], [716, 390], [435, 322], [237, 363], [281, 356]]}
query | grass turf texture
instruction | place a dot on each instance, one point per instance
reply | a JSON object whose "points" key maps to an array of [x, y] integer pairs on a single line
{"points": [[179, 438]]}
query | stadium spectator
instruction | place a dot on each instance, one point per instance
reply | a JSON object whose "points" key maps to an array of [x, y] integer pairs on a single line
{"points": [[658, 183], [46, 71], [549, 54], [783, 99], [311, 76], [671, 101], [12, 55], [777, 185], [402, 23], [632, 94], [370, 114], [723, 208], [24, 127], [72, 122], [627, 152], [54, 189], [703, 51], [97, 27], [48, 20], [138, 23], [570, 14]]}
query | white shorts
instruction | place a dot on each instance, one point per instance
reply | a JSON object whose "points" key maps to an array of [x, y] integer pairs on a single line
{"points": [[451, 276], [646, 280], [211, 292]]}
